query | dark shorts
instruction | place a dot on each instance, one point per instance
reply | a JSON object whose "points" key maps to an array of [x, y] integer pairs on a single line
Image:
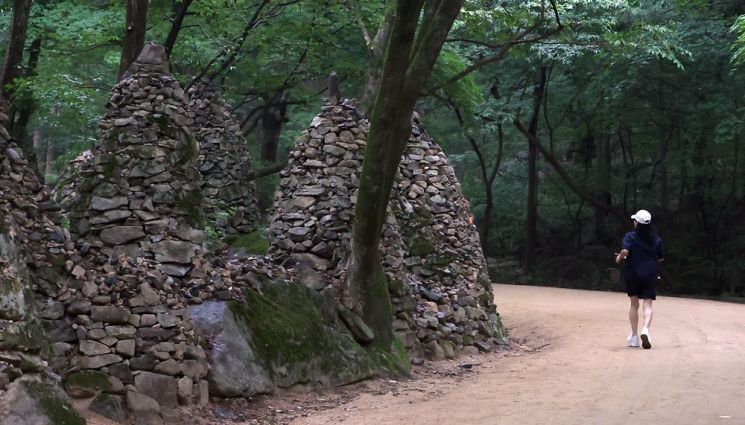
{"points": [[644, 289]]}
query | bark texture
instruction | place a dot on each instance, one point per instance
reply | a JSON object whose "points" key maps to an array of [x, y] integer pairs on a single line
{"points": [[134, 33], [410, 55]]}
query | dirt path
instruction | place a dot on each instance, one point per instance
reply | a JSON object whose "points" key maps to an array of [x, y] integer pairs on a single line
{"points": [[583, 373]]}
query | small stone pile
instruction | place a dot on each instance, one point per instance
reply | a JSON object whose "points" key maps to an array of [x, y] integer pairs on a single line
{"points": [[310, 230], [34, 252], [142, 197], [229, 195], [444, 256]]}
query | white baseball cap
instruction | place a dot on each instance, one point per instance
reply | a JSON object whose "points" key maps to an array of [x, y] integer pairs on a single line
{"points": [[642, 217]]}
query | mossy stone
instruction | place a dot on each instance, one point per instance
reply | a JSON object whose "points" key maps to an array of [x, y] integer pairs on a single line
{"points": [[254, 243], [85, 384], [295, 343], [53, 403], [421, 247]]}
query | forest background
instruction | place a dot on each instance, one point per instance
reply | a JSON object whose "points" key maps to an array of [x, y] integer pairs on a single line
{"points": [[561, 118]]}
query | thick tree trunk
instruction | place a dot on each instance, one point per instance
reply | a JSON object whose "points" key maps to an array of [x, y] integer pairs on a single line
{"points": [[134, 33], [271, 128], [25, 109], [17, 40], [409, 58]]}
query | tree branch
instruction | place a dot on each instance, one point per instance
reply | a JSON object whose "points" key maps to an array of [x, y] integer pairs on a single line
{"points": [[177, 21]]}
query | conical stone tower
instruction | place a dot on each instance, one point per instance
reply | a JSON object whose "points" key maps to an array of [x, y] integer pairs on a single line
{"points": [[310, 231], [229, 195], [314, 207], [444, 256], [142, 197]]}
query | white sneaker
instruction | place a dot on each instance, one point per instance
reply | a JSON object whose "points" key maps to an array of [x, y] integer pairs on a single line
{"points": [[646, 340], [633, 341]]}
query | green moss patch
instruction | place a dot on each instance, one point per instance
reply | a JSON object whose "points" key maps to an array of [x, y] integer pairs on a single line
{"points": [[253, 243], [191, 204], [53, 403], [86, 384], [420, 247], [291, 338]]}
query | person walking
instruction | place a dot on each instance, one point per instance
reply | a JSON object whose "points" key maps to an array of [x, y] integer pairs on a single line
{"points": [[642, 251]]}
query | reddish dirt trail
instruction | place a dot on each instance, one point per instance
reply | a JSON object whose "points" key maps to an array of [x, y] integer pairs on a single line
{"points": [[583, 372]]}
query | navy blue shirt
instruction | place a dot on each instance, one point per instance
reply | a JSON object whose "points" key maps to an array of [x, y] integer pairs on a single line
{"points": [[644, 255]]}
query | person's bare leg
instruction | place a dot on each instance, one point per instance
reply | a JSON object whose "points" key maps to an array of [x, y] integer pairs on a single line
{"points": [[634, 315], [647, 313]]}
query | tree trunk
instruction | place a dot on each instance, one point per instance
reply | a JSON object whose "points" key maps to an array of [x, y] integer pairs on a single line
{"points": [[375, 52], [49, 166], [25, 109], [271, 128], [177, 21], [14, 54], [134, 33], [602, 191], [531, 221], [409, 59]]}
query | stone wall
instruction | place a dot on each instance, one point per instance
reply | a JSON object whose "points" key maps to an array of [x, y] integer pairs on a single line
{"points": [[229, 195]]}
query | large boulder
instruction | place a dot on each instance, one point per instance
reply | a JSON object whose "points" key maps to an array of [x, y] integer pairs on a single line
{"points": [[282, 334], [37, 401], [236, 370]]}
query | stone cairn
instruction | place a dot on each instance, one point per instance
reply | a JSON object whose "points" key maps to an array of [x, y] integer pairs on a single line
{"points": [[446, 306], [310, 230], [125, 318], [229, 194], [35, 258], [444, 256], [142, 195]]}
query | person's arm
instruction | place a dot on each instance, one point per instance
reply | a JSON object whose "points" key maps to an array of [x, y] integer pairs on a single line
{"points": [[625, 248], [660, 252], [622, 256]]}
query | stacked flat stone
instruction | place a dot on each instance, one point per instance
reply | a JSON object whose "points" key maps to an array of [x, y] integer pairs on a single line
{"points": [[314, 206], [67, 190], [311, 226], [123, 317], [444, 256], [131, 326], [229, 195], [142, 197], [445, 270], [34, 255]]}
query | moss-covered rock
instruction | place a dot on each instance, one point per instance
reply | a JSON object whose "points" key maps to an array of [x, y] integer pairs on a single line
{"points": [[37, 400], [294, 341], [254, 243], [288, 336], [86, 383]]}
